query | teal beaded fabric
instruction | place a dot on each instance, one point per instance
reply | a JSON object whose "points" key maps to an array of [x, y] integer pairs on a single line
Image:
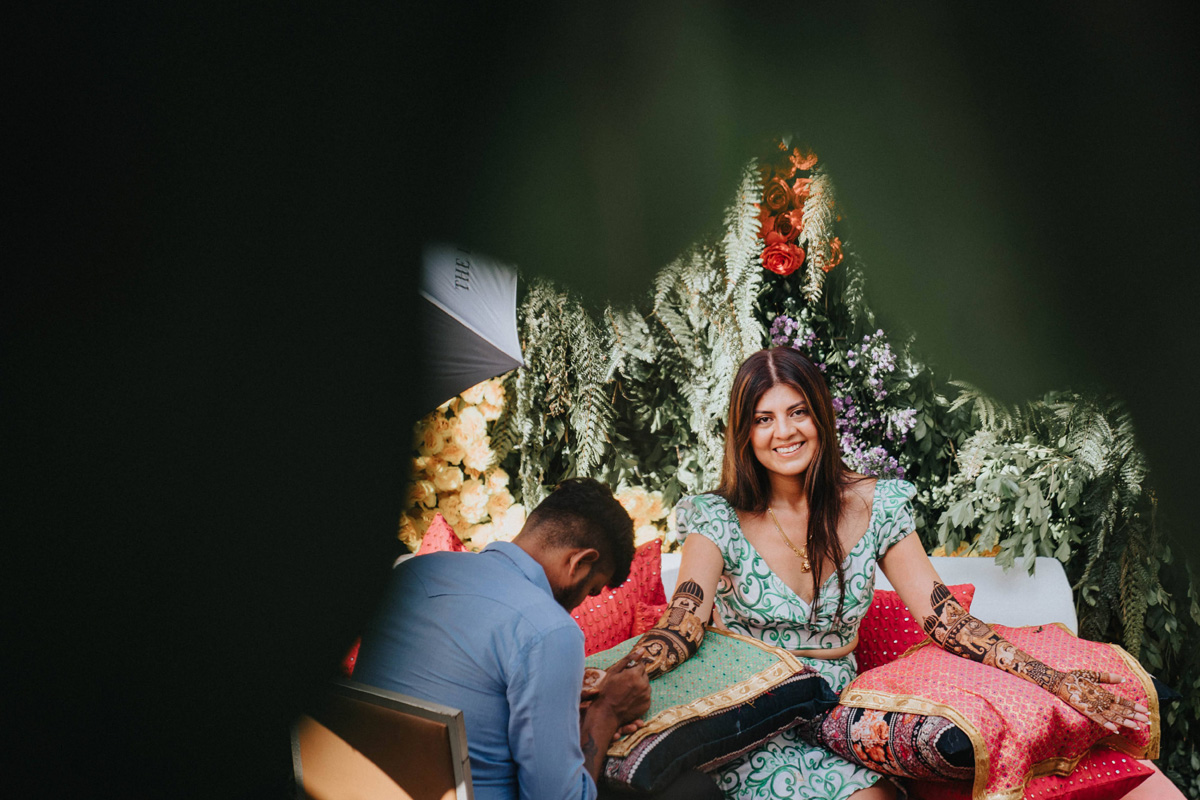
{"points": [[753, 601], [721, 662]]}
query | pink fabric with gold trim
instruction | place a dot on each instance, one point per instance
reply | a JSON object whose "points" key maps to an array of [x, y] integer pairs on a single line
{"points": [[1101, 775], [1022, 730]]}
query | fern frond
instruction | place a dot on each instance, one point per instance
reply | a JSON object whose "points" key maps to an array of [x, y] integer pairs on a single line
{"points": [[740, 246], [992, 415], [817, 233]]}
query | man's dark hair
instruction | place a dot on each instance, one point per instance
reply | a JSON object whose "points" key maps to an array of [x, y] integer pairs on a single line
{"points": [[582, 512]]}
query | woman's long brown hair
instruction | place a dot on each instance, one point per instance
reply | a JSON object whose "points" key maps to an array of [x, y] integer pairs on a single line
{"points": [[744, 481]]}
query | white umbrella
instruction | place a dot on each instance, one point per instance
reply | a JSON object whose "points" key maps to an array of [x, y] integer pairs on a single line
{"points": [[470, 321]]}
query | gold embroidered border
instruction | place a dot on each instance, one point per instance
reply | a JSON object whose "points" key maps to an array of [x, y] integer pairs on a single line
{"points": [[910, 704], [731, 696], [1118, 742], [883, 701]]}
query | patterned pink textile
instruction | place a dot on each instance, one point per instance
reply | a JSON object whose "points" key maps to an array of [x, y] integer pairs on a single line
{"points": [[889, 629], [440, 537], [614, 615], [1101, 775], [1017, 728]]}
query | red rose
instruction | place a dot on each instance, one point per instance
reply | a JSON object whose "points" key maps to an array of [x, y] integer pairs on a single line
{"points": [[782, 258], [777, 196], [796, 217], [785, 225], [835, 254]]}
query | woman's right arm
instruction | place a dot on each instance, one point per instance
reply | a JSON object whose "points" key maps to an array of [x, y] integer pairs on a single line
{"points": [[680, 630]]}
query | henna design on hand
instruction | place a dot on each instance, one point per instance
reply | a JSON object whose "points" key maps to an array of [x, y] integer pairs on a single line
{"points": [[678, 633], [952, 627]]}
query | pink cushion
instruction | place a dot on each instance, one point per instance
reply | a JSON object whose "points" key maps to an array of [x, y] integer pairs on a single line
{"points": [[1102, 774], [440, 537], [1017, 728], [889, 629], [610, 617], [647, 616]]}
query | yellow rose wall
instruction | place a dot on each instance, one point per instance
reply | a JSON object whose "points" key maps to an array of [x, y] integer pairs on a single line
{"points": [[455, 474]]}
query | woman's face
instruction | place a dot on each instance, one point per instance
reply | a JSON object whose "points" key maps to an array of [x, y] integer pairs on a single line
{"points": [[783, 433]]}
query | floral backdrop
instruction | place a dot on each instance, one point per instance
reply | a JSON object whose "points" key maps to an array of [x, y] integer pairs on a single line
{"points": [[637, 397]]}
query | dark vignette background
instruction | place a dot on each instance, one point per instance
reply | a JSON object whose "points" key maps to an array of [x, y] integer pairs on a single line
{"points": [[208, 343]]}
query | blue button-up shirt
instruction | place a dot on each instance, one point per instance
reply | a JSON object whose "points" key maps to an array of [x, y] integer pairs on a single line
{"points": [[483, 633]]}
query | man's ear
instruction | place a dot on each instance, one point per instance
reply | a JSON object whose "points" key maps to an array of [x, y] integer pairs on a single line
{"points": [[581, 562]]}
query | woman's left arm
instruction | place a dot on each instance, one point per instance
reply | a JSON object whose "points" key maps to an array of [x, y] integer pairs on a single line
{"points": [[911, 573]]}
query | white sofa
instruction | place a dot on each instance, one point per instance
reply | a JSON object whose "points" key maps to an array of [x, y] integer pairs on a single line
{"points": [[1008, 597]]}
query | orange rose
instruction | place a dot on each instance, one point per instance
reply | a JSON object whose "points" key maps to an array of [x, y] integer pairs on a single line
{"points": [[835, 254], [803, 160], [777, 196], [766, 221], [782, 258], [800, 190]]}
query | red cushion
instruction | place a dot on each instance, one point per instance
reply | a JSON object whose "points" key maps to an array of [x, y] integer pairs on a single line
{"points": [[440, 537], [351, 658], [1017, 728], [889, 629], [609, 618], [1102, 774], [647, 616]]}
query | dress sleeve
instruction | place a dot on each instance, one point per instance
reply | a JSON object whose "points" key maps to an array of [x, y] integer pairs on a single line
{"points": [[706, 515], [543, 723], [894, 518]]}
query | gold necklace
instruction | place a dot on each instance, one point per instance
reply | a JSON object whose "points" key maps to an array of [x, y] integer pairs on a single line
{"points": [[802, 553]]}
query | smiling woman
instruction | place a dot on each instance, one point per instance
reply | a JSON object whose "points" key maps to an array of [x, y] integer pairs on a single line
{"points": [[785, 437], [786, 550]]}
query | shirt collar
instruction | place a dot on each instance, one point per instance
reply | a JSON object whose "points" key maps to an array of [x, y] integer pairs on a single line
{"points": [[524, 562]]}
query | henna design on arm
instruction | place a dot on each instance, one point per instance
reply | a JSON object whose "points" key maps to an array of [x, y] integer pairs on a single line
{"points": [[952, 627], [677, 636], [956, 631]]}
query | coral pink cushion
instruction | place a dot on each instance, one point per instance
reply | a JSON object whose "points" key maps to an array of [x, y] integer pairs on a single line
{"points": [[1102, 774], [440, 537], [889, 629], [647, 616], [1017, 728], [610, 617]]}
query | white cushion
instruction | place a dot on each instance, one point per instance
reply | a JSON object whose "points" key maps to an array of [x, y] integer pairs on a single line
{"points": [[1012, 597]]}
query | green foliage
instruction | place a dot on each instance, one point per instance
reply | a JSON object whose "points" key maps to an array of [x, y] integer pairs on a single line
{"points": [[1063, 477], [638, 397]]}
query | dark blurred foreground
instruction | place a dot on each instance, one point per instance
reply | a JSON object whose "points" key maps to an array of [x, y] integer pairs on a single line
{"points": [[209, 350]]}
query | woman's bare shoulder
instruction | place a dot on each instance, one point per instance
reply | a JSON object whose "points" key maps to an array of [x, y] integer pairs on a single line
{"points": [[859, 491]]}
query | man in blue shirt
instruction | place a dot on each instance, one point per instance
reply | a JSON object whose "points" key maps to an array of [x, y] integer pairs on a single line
{"points": [[491, 634]]}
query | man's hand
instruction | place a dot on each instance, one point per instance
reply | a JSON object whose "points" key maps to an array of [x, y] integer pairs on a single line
{"points": [[626, 689], [1081, 690], [619, 699]]}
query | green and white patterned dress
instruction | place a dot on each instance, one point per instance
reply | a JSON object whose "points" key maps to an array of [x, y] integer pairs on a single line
{"points": [[754, 601]]}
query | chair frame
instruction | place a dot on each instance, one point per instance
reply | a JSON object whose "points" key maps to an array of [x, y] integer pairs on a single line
{"points": [[452, 718]]}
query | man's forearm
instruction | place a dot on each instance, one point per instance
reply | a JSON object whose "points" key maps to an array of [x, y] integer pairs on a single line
{"points": [[596, 731]]}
